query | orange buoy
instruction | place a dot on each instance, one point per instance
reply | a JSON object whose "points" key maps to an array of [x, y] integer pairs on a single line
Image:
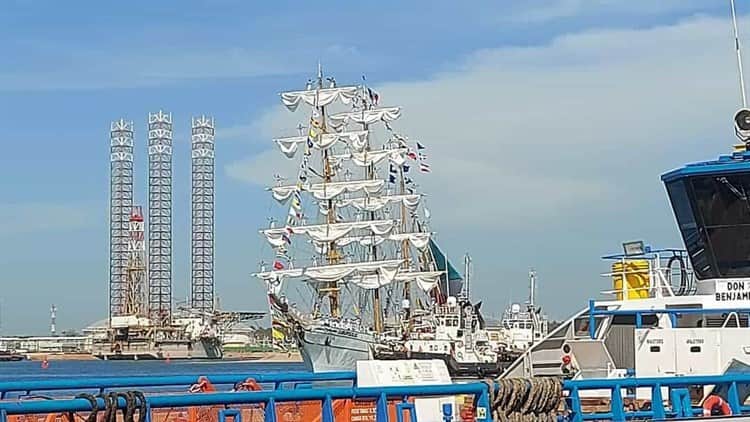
{"points": [[45, 363], [716, 404]]}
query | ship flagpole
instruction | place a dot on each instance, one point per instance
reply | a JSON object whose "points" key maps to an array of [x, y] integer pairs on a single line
{"points": [[739, 54]]}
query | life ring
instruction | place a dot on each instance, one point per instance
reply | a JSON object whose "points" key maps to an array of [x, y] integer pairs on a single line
{"points": [[716, 404]]}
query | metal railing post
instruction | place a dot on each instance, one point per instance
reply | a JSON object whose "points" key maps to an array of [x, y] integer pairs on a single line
{"points": [[381, 408], [270, 413], [657, 402], [327, 410], [592, 320]]}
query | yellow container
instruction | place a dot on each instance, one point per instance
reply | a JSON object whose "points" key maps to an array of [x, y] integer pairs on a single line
{"points": [[637, 280]]}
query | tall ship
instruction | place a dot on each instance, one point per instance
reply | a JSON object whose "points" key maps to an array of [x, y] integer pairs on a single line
{"points": [[355, 235]]}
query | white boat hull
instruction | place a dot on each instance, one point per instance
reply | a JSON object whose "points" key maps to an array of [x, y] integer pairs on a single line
{"points": [[325, 350]]}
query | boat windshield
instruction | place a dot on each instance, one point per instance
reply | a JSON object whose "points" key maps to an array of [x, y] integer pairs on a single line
{"points": [[713, 214]]}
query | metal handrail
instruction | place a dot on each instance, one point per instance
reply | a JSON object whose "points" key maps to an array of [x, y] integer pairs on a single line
{"points": [[677, 403], [105, 383]]}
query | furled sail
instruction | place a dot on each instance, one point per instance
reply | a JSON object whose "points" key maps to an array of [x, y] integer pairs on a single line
{"points": [[386, 114], [454, 282], [318, 97], [332, 273], [327, 191], [418, 240], [426, 280], [327, 232], [367, 158], [376, 203], [356, 140]]}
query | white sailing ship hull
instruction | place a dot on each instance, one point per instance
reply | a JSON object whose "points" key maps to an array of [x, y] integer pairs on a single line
{"points": [[326, 350]]}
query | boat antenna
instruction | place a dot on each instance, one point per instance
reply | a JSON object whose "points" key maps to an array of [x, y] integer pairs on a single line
{"points": [[739, 54], [467, 269], [532, 287]]}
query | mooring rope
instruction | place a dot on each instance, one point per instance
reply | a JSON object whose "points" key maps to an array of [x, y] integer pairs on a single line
{"points": [[94, 406], [526, 400]]}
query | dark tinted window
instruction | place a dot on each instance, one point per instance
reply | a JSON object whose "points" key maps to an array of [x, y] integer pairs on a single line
{"points": [[694, 241], [713, 213]]}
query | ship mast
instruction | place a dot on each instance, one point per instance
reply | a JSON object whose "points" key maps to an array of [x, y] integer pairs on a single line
{"points": [[331, 289], [377, 306], [405, 247]]}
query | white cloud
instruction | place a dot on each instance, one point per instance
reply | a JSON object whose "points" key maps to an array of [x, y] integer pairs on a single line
{"points": [[554, 127], [551, 10], [36, 217], [543, 155]]}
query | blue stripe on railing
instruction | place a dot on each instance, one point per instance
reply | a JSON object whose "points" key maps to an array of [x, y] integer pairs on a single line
{"points": [[104, 383]]}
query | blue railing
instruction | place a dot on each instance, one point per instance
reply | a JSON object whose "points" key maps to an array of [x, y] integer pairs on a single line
{"points": [[675, 404], [639, 313], [679, 397], [269, 398], [102, 384]]}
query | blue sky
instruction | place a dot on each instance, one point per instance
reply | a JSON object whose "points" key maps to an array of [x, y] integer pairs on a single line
{"points": [[473, 80]]}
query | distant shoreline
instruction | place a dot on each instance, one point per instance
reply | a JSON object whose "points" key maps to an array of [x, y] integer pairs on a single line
{"points": [[228, 356]]}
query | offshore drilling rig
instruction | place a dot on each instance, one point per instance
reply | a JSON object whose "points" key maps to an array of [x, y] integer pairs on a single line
{"points": [[142, 323]]}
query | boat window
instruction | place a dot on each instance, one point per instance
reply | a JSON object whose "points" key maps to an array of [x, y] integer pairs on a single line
{"points": [[528, 325], [655, 349], [713, 212], [646, 320], [695, 349], [582, 325]]}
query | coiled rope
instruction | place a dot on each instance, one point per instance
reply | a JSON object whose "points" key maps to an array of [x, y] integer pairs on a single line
{"points": [[526, 400], [134, 400], [94, 406]]}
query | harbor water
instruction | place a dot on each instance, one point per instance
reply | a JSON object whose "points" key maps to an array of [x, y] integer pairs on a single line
{"points": [[32, 370]]}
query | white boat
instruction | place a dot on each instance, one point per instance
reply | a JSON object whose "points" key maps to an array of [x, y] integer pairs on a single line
{"points": [[524, 325], [671, 312]]}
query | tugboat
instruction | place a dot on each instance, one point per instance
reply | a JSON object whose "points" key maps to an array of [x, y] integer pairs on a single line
{"points": [[523, 326], [673, 312]]}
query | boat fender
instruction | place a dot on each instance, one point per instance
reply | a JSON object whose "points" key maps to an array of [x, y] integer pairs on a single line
{"points": [[460, 355], [716, 404]]}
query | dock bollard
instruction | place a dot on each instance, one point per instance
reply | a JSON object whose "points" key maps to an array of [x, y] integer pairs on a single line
{"points": [[447, 412]]}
